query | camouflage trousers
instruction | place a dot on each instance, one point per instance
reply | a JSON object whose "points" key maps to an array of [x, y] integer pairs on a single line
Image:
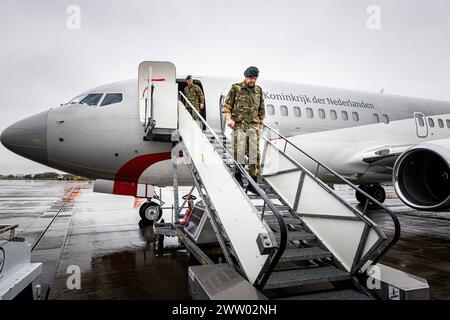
{"points": [[194, 115], [246, 150]]}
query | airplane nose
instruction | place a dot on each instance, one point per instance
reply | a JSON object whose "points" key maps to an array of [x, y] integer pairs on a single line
{"points": [[28, 137]]}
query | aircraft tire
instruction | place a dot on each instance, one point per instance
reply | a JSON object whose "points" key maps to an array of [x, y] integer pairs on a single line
{"points": [[150, 212], [375, 190], [361, 199]]}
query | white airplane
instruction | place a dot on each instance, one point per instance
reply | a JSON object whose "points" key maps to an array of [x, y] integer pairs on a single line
{"points": [[370, 138]]}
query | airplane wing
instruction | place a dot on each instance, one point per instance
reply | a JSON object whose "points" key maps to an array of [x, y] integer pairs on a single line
{"points": [[386, 153]]}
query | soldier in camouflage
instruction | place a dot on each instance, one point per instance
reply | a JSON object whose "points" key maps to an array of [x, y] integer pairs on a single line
{"points": [[244, 112], [195, 96]]}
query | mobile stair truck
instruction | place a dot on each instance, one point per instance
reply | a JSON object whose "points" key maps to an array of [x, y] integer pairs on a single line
{"points": [[296, 238]]}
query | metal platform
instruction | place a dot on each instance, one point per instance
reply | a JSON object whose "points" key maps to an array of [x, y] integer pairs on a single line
{"points": [[16, 270]]}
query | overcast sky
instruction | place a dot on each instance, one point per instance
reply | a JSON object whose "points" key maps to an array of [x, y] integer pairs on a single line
{"points": [[44, 63]]}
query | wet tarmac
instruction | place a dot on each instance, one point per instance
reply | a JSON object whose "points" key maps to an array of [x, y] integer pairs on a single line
{"points": [[424, 245], [71, 227], [100, 234]]}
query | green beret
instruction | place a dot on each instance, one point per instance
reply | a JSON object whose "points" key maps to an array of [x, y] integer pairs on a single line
{"points": [[251, 72], [189, 77]]}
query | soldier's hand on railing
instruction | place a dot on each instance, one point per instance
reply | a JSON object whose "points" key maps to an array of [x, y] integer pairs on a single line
{"points": [[230, 123], [202, 106]]}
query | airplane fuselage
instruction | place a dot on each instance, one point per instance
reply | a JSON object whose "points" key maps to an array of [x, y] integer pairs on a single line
{"points": [[106, 142]]}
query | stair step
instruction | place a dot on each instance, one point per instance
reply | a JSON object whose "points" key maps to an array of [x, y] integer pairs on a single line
{"points": [[209, 134], [298, 277], [347, 294], [258, 197], [265, 187], [219, 147], [297, 235], [269, 215], [301, 254], [221, 138], [280, 207], [287, 219]]}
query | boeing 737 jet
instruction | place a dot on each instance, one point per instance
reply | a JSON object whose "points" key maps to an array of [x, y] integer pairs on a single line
{"points": [[369, 138]]}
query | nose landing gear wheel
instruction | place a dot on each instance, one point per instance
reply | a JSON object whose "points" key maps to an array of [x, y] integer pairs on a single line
{"points": [[150, 212]]}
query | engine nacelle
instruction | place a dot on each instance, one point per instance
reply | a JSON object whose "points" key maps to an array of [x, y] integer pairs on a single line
{"points": [[421, 175]]}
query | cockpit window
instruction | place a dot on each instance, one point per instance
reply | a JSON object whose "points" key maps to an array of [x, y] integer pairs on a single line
{"points": [[111, 98], [92, 99], [77, 99]]}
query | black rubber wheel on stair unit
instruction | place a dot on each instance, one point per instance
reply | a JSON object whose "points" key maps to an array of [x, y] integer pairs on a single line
{"points": [[150, 212]]}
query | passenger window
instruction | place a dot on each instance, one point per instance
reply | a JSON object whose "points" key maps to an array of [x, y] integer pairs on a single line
{"points": [[344, 115], [441, 123], [385, 118], [284, 111], [111, 98], [355, 116], [431, 122], [297, 112], [448, 124], [421, 122], [333, 114], [321, 114], [92, 99], [376, 118], [309, 112], [270, 110]]}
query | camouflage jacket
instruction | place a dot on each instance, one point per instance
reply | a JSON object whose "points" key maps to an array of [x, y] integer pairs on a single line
{"points": [[246, 105], [194, 95]]}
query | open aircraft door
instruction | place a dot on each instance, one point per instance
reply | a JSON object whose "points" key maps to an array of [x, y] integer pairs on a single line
{"points": [[158, 97]]}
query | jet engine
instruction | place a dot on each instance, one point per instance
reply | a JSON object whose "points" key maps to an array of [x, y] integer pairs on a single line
{"points": [[421, 175]]}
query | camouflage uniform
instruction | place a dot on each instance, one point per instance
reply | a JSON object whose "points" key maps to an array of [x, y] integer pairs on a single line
{"points": [[246, 105], [195, 96]]}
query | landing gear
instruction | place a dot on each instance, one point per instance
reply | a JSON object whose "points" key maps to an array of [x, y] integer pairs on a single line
{"points": [[150, 212], [374, 190]]}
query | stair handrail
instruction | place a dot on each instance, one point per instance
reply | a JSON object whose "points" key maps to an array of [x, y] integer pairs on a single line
{"points": [[397, 228], [273, 259], [11, 228]]}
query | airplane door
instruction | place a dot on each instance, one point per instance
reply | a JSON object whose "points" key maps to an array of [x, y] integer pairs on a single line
{"points": [[158, 94], [421, 124]]}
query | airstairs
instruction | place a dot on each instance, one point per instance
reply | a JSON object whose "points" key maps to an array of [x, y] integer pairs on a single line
{"points": [[295, 238]]}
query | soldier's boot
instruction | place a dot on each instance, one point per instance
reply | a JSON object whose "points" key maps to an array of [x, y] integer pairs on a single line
{"points": [[238, 177], [253, 171], [250, 187]]}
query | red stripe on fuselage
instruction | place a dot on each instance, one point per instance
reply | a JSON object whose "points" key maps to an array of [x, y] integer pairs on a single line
{"points": [[126, 179]]}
